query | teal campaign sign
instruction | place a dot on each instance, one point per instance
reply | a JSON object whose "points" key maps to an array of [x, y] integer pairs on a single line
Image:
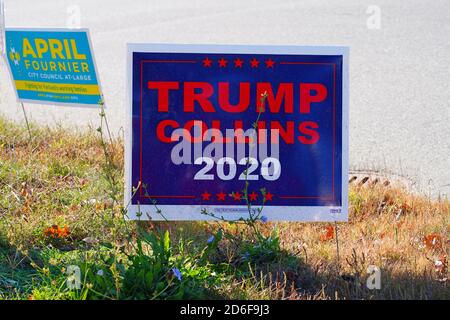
{"points": [[53, 66]]}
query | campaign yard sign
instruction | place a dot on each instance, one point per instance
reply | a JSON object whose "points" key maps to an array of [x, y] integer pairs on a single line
{"points": [[228, 131], [53, 66]]}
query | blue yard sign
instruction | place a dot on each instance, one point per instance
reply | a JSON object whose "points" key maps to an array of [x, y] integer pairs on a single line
{"points": [[237, 131], [53, 66]]}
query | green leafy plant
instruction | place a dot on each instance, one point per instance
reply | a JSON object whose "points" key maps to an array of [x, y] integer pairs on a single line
{"points": [[156, 272]]}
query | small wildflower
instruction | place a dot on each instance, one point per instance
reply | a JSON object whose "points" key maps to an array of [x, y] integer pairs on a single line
{"points": [[57, 232], [441, 264], [264, 219], [53, 261], [211, 239], [433, 241], [89, 286], [327, 234], [100, 273], [406, 207], [100, 207], [177, 273]]}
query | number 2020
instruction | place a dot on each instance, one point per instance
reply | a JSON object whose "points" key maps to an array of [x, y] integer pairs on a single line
{"points": [[270, 169]]}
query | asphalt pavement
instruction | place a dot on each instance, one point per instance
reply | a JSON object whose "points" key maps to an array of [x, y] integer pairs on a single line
{"points": [[399, 69]]}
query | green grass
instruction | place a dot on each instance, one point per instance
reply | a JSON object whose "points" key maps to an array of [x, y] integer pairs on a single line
{"points": [[60, 178]]}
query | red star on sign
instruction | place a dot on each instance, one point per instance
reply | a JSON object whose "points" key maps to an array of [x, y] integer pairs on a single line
{"points": [[223, 63], [221, 196], [253, 196], [207, 63], [238, 63], [237, 196], [206, 196], [270, 63], [268, 196], [254, 63]]}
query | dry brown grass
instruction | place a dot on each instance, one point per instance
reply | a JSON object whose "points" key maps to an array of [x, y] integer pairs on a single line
{"points": [[406, 236], [53, 179]]}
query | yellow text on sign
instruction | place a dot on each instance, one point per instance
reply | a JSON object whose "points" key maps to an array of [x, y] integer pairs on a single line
{"points": [[63, 66], [86, 89], [65, 49]]}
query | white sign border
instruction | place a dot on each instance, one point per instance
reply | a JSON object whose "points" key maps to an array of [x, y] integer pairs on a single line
{"points": [[278, 213], [55, 103]]}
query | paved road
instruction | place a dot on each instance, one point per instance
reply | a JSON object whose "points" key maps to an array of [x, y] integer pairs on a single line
{"points": [[400, 97]]}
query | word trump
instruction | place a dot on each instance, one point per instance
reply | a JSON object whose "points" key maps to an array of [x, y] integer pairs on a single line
{"points": [[65, 51], [204, 131], [207, 98]]}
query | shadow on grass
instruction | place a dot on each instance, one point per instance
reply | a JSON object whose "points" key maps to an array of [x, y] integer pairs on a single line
{"points": [[285, 275], [269, 275], [291, 278], [16, 274]]}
